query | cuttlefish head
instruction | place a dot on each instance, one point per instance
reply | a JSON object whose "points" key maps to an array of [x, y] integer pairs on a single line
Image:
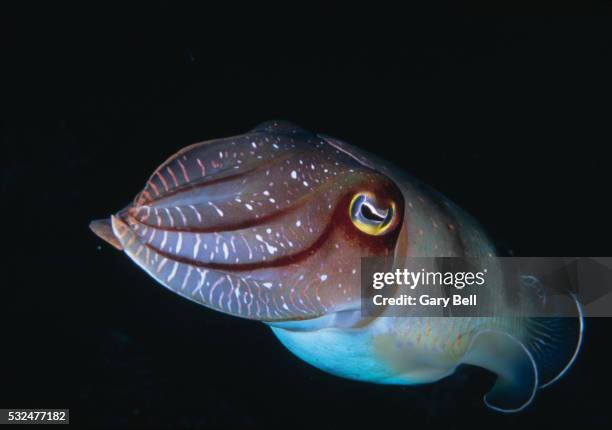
{"points": [[270, 225]]}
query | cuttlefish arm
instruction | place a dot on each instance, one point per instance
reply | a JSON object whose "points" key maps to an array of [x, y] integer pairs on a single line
{"points": [[258, 225], [104, 230]]}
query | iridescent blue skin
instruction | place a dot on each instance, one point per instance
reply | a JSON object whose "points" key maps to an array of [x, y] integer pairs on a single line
{"points": [[262, 226]]}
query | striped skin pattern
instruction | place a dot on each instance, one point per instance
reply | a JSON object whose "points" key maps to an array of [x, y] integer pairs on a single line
{"points": [[255, 226], [260, 226]]}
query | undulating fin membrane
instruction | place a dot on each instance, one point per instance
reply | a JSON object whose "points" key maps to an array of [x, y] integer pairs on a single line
{"points": [[516, 370], [280, 127], [545, 351], [555, 344], [554, 334]]}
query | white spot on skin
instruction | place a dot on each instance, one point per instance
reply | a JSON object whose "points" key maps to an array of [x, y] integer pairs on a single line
{"points": [[173, 273], [198, 287], [293, 174], [271, 249], [164, 239], [219, 211], [179, 242], [161, 264], [198, 215], [248, 206], [298, 223], [323, 278], [189, 269]]}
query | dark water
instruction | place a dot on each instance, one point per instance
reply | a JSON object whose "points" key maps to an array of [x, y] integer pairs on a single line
{"points": [[509, 118]]}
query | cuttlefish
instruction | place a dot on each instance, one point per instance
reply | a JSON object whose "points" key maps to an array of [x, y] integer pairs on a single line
{"points": [[272, 225]]}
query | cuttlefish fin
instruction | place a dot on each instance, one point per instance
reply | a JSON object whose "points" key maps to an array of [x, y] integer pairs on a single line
{"points": [[556, 341], [511, 361], [103, 229], [279, 127]]}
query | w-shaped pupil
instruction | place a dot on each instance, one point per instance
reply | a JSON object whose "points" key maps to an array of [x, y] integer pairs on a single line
{"points": [[368, 213]]}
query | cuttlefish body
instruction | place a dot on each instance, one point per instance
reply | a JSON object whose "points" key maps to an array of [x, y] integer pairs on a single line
{"points": [[272, 226]]}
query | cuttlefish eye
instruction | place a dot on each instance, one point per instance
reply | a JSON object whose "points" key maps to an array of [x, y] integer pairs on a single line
{"points": [[370, 216]]}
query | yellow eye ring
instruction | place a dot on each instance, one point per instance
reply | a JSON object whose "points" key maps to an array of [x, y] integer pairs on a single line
{"points": [[367, 215]]}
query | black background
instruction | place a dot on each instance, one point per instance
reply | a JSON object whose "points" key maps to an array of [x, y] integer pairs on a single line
{"points": [[509, 117]]}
